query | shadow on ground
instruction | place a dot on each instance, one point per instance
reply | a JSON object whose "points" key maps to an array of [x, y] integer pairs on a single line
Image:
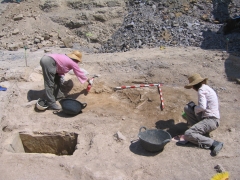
{"points": [[137, 148], [11, 1], [172, 128], [232, 68], [226, 38], [61, 114], [65, 89]]}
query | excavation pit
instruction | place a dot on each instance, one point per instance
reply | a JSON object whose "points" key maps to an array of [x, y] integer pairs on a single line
{"points": [[58, 143]]}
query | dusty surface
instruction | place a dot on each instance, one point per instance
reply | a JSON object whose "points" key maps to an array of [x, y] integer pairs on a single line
{"points": [[99, 154]]}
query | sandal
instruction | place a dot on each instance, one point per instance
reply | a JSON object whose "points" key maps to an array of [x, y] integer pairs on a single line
{"points": [[180, 139]]}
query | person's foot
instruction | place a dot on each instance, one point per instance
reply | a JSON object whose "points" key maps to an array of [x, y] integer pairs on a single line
{"points": [[180, 139], [216, 147], [54, 106]]}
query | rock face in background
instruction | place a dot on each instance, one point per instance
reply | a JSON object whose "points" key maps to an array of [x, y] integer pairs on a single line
{"points": [[175, 23], [112, 25], [78, 24]]}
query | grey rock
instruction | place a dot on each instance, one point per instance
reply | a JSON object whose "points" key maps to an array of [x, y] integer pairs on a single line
{"points": [[67, 42], [37, 40], [13, 47], [33, 49], [18, 17], [100, 17], [15, 31], [120, 136]]}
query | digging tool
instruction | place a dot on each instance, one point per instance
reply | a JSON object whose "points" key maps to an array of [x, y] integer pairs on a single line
{"points": [[90, 83]]}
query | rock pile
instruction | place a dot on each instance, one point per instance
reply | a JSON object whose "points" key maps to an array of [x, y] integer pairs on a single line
{"points": [[176, 23], [113, 26], [39, 24]]}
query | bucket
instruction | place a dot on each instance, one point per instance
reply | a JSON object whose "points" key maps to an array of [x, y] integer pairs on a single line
{"points": [[153, 140], [72, 106]]}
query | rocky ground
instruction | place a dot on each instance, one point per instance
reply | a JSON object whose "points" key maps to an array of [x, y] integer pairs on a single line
{"points": [[175, 23], [114, 26], [104, 137]]}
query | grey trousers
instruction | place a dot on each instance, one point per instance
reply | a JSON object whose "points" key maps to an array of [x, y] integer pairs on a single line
{"points": [[51, 78], [200, 126]]}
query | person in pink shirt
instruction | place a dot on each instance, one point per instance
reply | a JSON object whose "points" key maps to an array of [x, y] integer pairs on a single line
{"points": [[204, 116], [53, 67]]}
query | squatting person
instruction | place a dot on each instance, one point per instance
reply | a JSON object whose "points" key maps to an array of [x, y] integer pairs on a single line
{"points": [[203, 117]]}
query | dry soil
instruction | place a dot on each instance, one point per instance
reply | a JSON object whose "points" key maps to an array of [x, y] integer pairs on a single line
{"points": [[108, 146]]}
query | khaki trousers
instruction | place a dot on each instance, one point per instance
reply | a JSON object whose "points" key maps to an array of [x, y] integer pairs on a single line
{"points": [[200, 127]]}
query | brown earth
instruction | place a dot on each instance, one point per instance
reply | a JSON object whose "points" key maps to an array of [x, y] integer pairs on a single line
{"points": [[100, 154], [107, 144]]}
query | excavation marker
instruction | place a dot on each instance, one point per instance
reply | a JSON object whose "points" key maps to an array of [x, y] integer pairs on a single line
{"points": [[137, 86], [161, 97], [146, 85]]}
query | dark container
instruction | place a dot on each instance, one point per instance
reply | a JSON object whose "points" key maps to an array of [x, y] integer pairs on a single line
{"points": [[72, 106], [153, 140]]}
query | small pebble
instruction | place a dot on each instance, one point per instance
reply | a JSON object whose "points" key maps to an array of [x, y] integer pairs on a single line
{"points": [[219, 168]]}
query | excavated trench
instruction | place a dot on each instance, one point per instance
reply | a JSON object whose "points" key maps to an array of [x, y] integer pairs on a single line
{"points": [[58, 143]]}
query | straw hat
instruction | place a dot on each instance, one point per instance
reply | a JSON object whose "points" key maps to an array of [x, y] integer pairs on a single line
{"points": [[76, 55], [194, 79]]}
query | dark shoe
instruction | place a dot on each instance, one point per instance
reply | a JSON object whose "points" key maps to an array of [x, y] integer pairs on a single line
{"points": [[54, 106], [216, 147]]}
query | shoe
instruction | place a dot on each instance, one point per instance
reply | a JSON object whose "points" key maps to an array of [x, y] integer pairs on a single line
{"points": [[54, 106], [216, 147]]}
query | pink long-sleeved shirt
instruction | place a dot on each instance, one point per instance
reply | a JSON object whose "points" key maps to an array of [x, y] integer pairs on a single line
{"points": [[65, 64]]}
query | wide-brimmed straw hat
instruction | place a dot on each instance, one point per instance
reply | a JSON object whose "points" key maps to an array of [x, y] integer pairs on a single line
{"points": [[76, 55], [194, 79]]}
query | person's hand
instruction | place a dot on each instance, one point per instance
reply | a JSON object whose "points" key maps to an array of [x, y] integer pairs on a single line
{"points": [[90, 81], [191, 104]]}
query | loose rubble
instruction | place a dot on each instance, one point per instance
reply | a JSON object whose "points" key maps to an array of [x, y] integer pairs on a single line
{"points": [[114, 26], [175, 23]]}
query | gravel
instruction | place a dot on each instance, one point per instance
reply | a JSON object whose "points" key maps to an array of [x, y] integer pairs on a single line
{"points": [[170, 23]]}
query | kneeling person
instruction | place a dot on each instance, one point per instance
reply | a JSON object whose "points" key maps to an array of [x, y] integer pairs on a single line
{"points": [[204, 117]]}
